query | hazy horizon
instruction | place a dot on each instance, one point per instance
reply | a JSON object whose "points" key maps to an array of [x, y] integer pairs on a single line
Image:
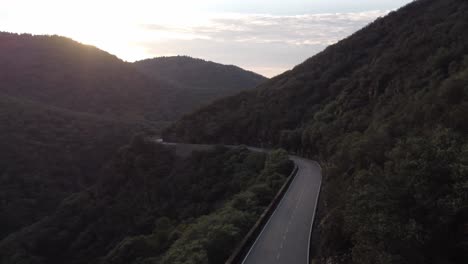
{"points": [[263, 36]]}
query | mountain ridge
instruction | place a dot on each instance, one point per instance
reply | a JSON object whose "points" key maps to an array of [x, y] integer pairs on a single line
{"points": [[66, 109], [383, 111], [65, 73], [185, 61]]}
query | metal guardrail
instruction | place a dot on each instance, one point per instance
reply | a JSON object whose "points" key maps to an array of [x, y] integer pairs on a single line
{"points": [[244, 246]]}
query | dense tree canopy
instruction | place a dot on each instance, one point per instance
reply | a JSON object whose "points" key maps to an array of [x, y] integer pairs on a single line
{"points": [[67, 107], [150, 206], [61, 72], [385, 112], [201, 79], [48, 153]]}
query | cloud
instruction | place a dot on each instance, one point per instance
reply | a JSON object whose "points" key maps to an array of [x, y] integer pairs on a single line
{"points": [[266, 43]]}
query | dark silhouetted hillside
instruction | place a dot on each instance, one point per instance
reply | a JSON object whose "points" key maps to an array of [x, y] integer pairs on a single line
{"points": [[65, 109], [48, 153], [198, 74], [385, 112], [199, 82], [150, 206], [61, 72]]}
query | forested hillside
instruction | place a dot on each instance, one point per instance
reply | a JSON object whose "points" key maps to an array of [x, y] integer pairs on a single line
{"points": [[61, 72], [198, 82], [385, 112], [150, 206], [197, 74], [66, 108], [48, 153]]}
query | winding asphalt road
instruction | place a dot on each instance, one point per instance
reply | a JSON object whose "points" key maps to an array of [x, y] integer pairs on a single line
{"points": [[285, 237]]}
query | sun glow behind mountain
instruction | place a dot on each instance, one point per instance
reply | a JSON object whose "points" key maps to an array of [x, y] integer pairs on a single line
{"points": [[251, 34]]}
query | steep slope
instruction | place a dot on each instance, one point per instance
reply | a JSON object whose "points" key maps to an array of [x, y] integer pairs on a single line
{"points": [[63, 73], [396, 55], [60, 104], [65, 109], [151, 206], [384, 111], [198, 74], [48, 153], [200, 82]]}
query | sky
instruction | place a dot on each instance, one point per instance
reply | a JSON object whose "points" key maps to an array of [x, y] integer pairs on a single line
{"points": [[265, 36]]}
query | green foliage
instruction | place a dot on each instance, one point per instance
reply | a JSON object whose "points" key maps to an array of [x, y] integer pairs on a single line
{"points": [[199, 74], [199, 82], [67, 107], [47, 154], [278, 161], [384, 111], [63, 73], [212, 238], [421, 176], [150, 206]]}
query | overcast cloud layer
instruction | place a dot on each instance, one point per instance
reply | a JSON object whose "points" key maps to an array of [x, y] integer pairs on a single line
{"points": [[263, 43], [266, 36]]}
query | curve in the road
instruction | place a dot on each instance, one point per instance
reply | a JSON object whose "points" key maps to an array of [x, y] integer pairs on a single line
{"points": [[285, 238]]}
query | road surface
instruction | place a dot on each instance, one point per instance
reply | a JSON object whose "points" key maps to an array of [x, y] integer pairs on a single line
{"points": [[285, 237]]}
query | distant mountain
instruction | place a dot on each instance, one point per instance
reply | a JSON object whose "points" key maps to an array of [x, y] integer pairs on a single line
{"points": [[191, 74], [65, 109], [197, 81], [385, 112], [63, 73]]}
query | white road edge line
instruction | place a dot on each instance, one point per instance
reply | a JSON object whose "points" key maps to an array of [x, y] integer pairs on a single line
{"points": [[313, 215], [281, 202], [271, 216]]}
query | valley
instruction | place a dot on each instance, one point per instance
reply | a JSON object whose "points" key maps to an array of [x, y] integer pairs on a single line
{"points": [[376, 125]]}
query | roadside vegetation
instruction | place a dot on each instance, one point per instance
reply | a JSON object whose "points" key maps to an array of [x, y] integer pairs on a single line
{"points": [[384, 111], [66, 108], [150, 206]]}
